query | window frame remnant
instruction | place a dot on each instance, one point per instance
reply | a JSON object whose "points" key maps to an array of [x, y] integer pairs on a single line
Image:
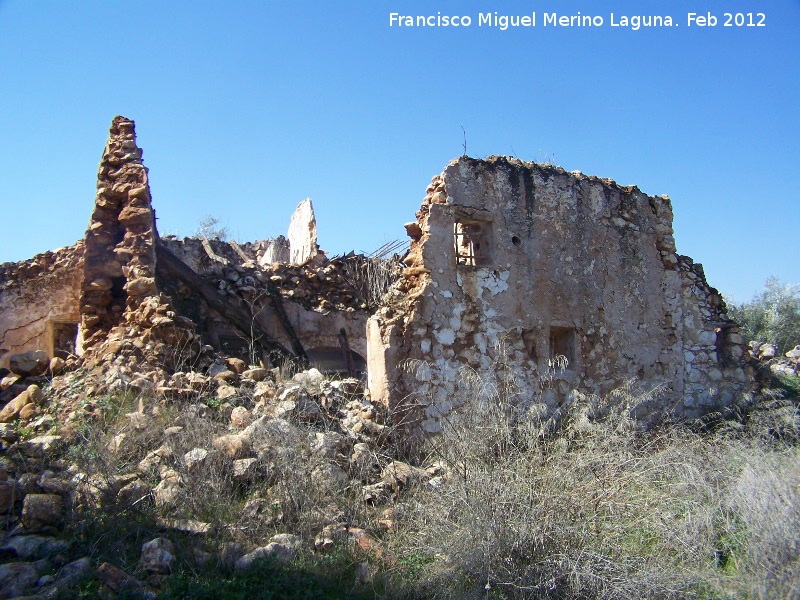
{"points": [[471, 242], [60, 331]]}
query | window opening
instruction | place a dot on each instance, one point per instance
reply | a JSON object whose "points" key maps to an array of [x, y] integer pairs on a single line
{"points": [[471, 243], [562, 343], [64, 336]]}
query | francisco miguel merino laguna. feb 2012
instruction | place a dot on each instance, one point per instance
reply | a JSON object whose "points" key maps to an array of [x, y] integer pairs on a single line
{"points": [[545, 19]]}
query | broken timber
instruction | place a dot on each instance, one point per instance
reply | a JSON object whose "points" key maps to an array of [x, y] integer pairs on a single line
{"points": [[235, 316], [297, 346]]}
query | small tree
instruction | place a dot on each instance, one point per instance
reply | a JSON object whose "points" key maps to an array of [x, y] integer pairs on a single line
{"points": [[209, 227], [772, 316]]}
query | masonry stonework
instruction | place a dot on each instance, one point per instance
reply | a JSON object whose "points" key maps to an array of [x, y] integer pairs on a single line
{"points": [[119, 261], [515, 268], [516, 264]]}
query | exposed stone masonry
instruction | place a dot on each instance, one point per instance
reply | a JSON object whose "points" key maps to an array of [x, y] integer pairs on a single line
{"points": [[39, 300], [513, 264], [119, 265], [510, 263]]}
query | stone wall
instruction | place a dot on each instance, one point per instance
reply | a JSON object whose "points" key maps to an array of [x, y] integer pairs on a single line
{"points": [[513, 264], [39, 300], [513, 267], [119, 261], [319, 300]]}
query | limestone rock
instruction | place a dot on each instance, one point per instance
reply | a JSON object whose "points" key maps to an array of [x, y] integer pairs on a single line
{"points": [[245, 470], [158, 555], [311, 379], [140, 286], [225, 392], [268, 433], [303, 234], [275, 251], [767, 351], [11, 410], [190, 526], [282, 547], [265, 390], [42, 445], [40, 510], [10, 494], [256, 374], [115, 579], [168, 492], [51, 483], [16, 579], [9, 380], [326, 540], [29, 547], [198, 459], [240, 417], [72, 572], [232, 445], [57, 365], [134, 493], [8, 432], [236, 364], [33, 362], [328, 444]]}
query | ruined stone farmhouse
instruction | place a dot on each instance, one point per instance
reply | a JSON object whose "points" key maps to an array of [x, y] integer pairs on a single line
{"points": [[513, 267]]}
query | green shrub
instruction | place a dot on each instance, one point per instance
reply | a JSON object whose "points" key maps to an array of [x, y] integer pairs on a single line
{"points": [[772, 316]]}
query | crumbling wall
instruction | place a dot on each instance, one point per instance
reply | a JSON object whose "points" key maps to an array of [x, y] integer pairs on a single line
{"points": [[303, 234], [513, 264], [119, 260], [320, 301], [39, 303]]}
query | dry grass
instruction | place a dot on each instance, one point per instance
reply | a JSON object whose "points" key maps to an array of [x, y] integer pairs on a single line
{"points": [[597, 509], [583, 506]]}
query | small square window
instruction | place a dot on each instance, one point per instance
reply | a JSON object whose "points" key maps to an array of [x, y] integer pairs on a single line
{"points": [[562, 343], [471, 243]]}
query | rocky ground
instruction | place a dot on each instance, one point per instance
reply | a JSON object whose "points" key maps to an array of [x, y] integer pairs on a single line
{"points": [[115, 476], [230, 464]]}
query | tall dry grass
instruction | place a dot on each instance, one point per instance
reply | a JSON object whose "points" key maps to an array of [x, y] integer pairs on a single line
{"points": [[589, 506]]}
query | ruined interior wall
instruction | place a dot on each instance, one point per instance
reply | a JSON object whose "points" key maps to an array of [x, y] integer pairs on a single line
{"points": [[566, 264], [37, 298], [318, 299]]}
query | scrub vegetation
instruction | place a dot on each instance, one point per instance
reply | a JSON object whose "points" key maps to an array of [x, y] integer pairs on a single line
{"points": [[499, 505]]}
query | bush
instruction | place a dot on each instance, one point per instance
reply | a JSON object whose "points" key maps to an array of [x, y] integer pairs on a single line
{"points": [[772, 316]]}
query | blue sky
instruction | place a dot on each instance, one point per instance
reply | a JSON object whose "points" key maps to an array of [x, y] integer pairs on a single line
{"points": [[243, 109]]}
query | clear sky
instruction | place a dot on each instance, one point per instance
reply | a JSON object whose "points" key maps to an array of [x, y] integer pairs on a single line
{"points": [[244, 109]]}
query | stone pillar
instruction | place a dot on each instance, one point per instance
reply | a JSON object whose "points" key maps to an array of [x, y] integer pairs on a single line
{"points": [[119, 260], [303, 234]]}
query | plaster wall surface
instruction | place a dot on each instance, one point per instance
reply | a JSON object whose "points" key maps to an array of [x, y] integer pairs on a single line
{"points": [[40, 299], [515, 263]]}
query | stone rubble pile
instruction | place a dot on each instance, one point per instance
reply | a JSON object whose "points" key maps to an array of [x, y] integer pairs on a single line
{"points": [[236, 425], [340, 283], [770, 360], [40, 267]]}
